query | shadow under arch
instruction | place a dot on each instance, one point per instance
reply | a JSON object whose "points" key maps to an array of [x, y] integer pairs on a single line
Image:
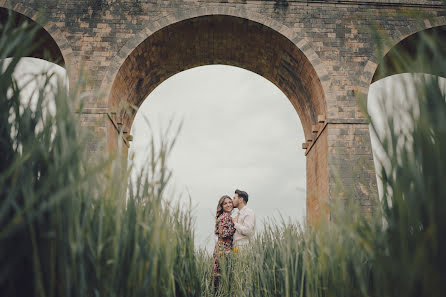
{"points": [[371, 73], [47, 48], [217, 39], [415, 54]]}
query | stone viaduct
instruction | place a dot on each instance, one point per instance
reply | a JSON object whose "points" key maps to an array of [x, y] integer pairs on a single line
{"points": [[320, 53]]}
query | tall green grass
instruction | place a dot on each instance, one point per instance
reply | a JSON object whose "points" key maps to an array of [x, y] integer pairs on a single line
{"points": [[70, 224], [399, 249]]}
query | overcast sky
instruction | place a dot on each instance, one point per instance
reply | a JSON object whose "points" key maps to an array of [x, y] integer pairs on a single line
{"points": [[239, 131]]}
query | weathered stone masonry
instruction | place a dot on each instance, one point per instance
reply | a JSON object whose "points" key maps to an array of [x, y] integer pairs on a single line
{"points": [[319, 53]]}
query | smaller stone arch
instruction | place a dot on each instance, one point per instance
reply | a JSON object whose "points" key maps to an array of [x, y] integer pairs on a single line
{"points": [[409, 49], [369, 73], [61, 44]]}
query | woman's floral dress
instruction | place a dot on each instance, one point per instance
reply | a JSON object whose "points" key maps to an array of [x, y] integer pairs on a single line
{"points": [[224, 229]]}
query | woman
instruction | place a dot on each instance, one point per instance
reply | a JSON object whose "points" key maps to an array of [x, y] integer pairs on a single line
{"points": [[224, 229]]}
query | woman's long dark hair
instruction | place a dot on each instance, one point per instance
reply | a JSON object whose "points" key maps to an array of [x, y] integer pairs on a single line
{"points": [[219, 211]]}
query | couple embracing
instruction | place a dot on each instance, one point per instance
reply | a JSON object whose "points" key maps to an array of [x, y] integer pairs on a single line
{"points": [[232, 233]]}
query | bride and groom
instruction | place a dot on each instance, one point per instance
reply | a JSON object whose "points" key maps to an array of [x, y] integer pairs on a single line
{"points": [[232, 233]]}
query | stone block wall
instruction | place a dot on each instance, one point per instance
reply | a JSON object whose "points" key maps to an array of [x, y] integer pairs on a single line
{"points": [[350, 163], [333, 35]]}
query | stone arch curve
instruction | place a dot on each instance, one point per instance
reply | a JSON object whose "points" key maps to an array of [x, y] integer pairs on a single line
{"points": [[53, 30], [230, 40], [218, 39], [239, 11], [398, 36]]}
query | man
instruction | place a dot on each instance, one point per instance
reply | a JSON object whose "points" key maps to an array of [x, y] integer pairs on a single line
{"points": [[245, 222]]}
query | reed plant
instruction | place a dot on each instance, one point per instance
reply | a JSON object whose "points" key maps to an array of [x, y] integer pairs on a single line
{"points": [[71, 224], [396, 250]]}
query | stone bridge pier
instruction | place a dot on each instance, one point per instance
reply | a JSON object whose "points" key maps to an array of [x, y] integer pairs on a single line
{"points": [[321, 54]]}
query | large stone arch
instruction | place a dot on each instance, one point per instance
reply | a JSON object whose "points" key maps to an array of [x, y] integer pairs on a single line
{"points": [[53, 32], [230, 40], [313, 83], [237, 11], [397, 37]]}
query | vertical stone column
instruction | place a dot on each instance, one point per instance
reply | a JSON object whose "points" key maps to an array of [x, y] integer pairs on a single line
{"points": [[102, 133], [95, 121], [339, 166], [350, 159]]}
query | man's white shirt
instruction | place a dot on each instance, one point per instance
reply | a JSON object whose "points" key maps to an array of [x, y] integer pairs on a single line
{"points": [[245, 227]]}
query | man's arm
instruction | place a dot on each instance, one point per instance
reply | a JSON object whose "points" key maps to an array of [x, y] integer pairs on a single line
{"points": [[248, 226]]}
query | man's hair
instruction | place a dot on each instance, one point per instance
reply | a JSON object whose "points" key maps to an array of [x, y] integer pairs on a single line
{"points": [[242, 194]]}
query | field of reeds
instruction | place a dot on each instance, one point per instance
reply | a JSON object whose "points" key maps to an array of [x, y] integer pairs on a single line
{"points": [[70, 225]]}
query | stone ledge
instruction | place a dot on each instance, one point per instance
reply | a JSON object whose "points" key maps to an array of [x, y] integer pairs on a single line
{"points": [[309, 145]]}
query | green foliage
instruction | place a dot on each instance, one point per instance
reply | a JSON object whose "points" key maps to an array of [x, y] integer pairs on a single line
{"points": [[397, 250], [71, 226], [68, 224]]}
